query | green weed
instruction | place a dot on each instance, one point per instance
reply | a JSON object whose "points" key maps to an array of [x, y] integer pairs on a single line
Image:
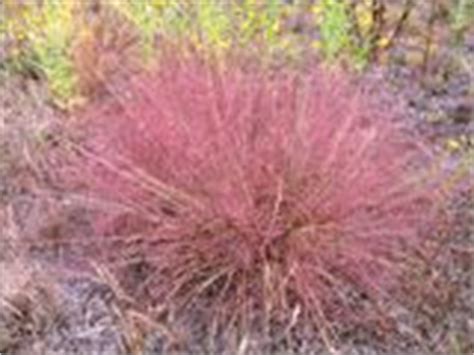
{"points": [[334, 27], [462, 18], [43, 35]]}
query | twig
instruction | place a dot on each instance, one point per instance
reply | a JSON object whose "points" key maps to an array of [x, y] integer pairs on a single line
{"points": [[408, 7], [429, 37]]}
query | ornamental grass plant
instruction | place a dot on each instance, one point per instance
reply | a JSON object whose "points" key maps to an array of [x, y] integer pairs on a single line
{"points": [[248, 207]]}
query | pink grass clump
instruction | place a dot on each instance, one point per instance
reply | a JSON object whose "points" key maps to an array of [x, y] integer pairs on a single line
{"points": [[257, 201]]}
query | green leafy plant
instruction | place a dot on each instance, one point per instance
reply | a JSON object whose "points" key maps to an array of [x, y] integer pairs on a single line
{"points": [[334, 26], [461, 18], [43, 34], [213, 24], [355, 32], [223, 25], [258, 19]]}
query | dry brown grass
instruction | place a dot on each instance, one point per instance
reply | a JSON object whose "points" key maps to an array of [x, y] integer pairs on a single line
{"points": [[28, 297], [107, 46]]}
